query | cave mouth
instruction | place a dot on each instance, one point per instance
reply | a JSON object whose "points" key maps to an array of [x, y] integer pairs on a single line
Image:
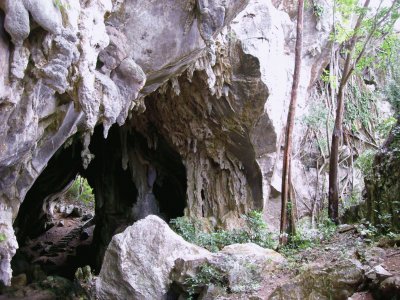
{"points": [[55, 223], [124, 174]]}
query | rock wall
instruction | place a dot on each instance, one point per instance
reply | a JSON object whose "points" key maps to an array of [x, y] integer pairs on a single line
{"points": [[382, 205], [74, 64]]}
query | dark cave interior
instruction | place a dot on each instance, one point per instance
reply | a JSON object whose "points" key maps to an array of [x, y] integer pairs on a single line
{"points": [[115, 191]]}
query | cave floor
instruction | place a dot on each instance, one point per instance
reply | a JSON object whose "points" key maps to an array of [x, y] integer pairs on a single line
{"points": [[60, 249]]}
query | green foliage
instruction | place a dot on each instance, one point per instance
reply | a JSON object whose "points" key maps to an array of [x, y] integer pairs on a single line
{"points": [[352, 199], [392, 93], [2, 237], [307, 238], [328, 78], [317, 8], [365, 162], [81, 190], [206, 276], [358, 110], [367, 230], [316, 117], [386, 126], [255, 231]]}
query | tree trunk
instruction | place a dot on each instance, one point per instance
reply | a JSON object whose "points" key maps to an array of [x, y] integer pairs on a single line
{"points": [[333, 205], [289, 126]]}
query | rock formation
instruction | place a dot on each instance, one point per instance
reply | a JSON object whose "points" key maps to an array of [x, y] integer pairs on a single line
{"points": [[144, 260], [138, 261], [198, 107]]}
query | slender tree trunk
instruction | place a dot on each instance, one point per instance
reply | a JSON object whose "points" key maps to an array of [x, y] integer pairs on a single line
{"points": [[289, 126], [333, 205]]}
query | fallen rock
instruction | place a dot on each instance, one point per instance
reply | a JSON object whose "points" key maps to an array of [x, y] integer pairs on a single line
{"points": [[335, 282], [345, 228], [138, 261], [87, 217], [373, 256], [378, 272], [253, 252], [76, 212]]}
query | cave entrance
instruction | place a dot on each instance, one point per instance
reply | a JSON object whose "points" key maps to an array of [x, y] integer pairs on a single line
{"points": [[55, 223], [125, 175]]}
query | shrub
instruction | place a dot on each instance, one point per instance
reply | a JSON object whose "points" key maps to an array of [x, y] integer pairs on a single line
{"points": [[206, 276], [307, 237], [365, 162], [255, 231]]}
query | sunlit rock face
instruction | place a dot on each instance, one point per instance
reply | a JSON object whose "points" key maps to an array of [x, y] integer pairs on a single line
{"points": [[181, 94], [70, 65]]}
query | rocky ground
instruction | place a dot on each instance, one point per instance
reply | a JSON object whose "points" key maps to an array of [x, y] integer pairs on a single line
{"points": [[59, 251], [349, 265]]}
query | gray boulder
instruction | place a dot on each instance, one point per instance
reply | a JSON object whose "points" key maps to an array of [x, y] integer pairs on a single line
{"points": [[139, 260]]}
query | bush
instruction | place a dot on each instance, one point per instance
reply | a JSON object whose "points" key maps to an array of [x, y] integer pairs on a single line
{"points": [[306, 237], [206, 276], [365, 162], [255, 231]]}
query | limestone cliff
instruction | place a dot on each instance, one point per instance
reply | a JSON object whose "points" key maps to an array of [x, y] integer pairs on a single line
{"points": [[199, 106]]}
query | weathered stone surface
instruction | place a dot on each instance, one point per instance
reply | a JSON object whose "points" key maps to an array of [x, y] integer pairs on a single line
{"points": [[139, 260], [242, 267], [8, 243], [220, 115], [69, 72], [390, 288], [337, 281]]}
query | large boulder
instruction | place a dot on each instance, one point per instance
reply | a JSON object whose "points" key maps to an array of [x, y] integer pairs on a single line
{"points": [[336, 281], [139, 260]]}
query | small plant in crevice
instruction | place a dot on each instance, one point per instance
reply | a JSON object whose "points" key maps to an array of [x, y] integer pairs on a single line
{"points": [[207, 275], [255, 231], [2, 237]]}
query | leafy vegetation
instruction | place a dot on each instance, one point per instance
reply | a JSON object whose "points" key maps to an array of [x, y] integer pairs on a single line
{"points": [[81, 190], [255, 231], [308, 238], [207, 275], [365, 162]]}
